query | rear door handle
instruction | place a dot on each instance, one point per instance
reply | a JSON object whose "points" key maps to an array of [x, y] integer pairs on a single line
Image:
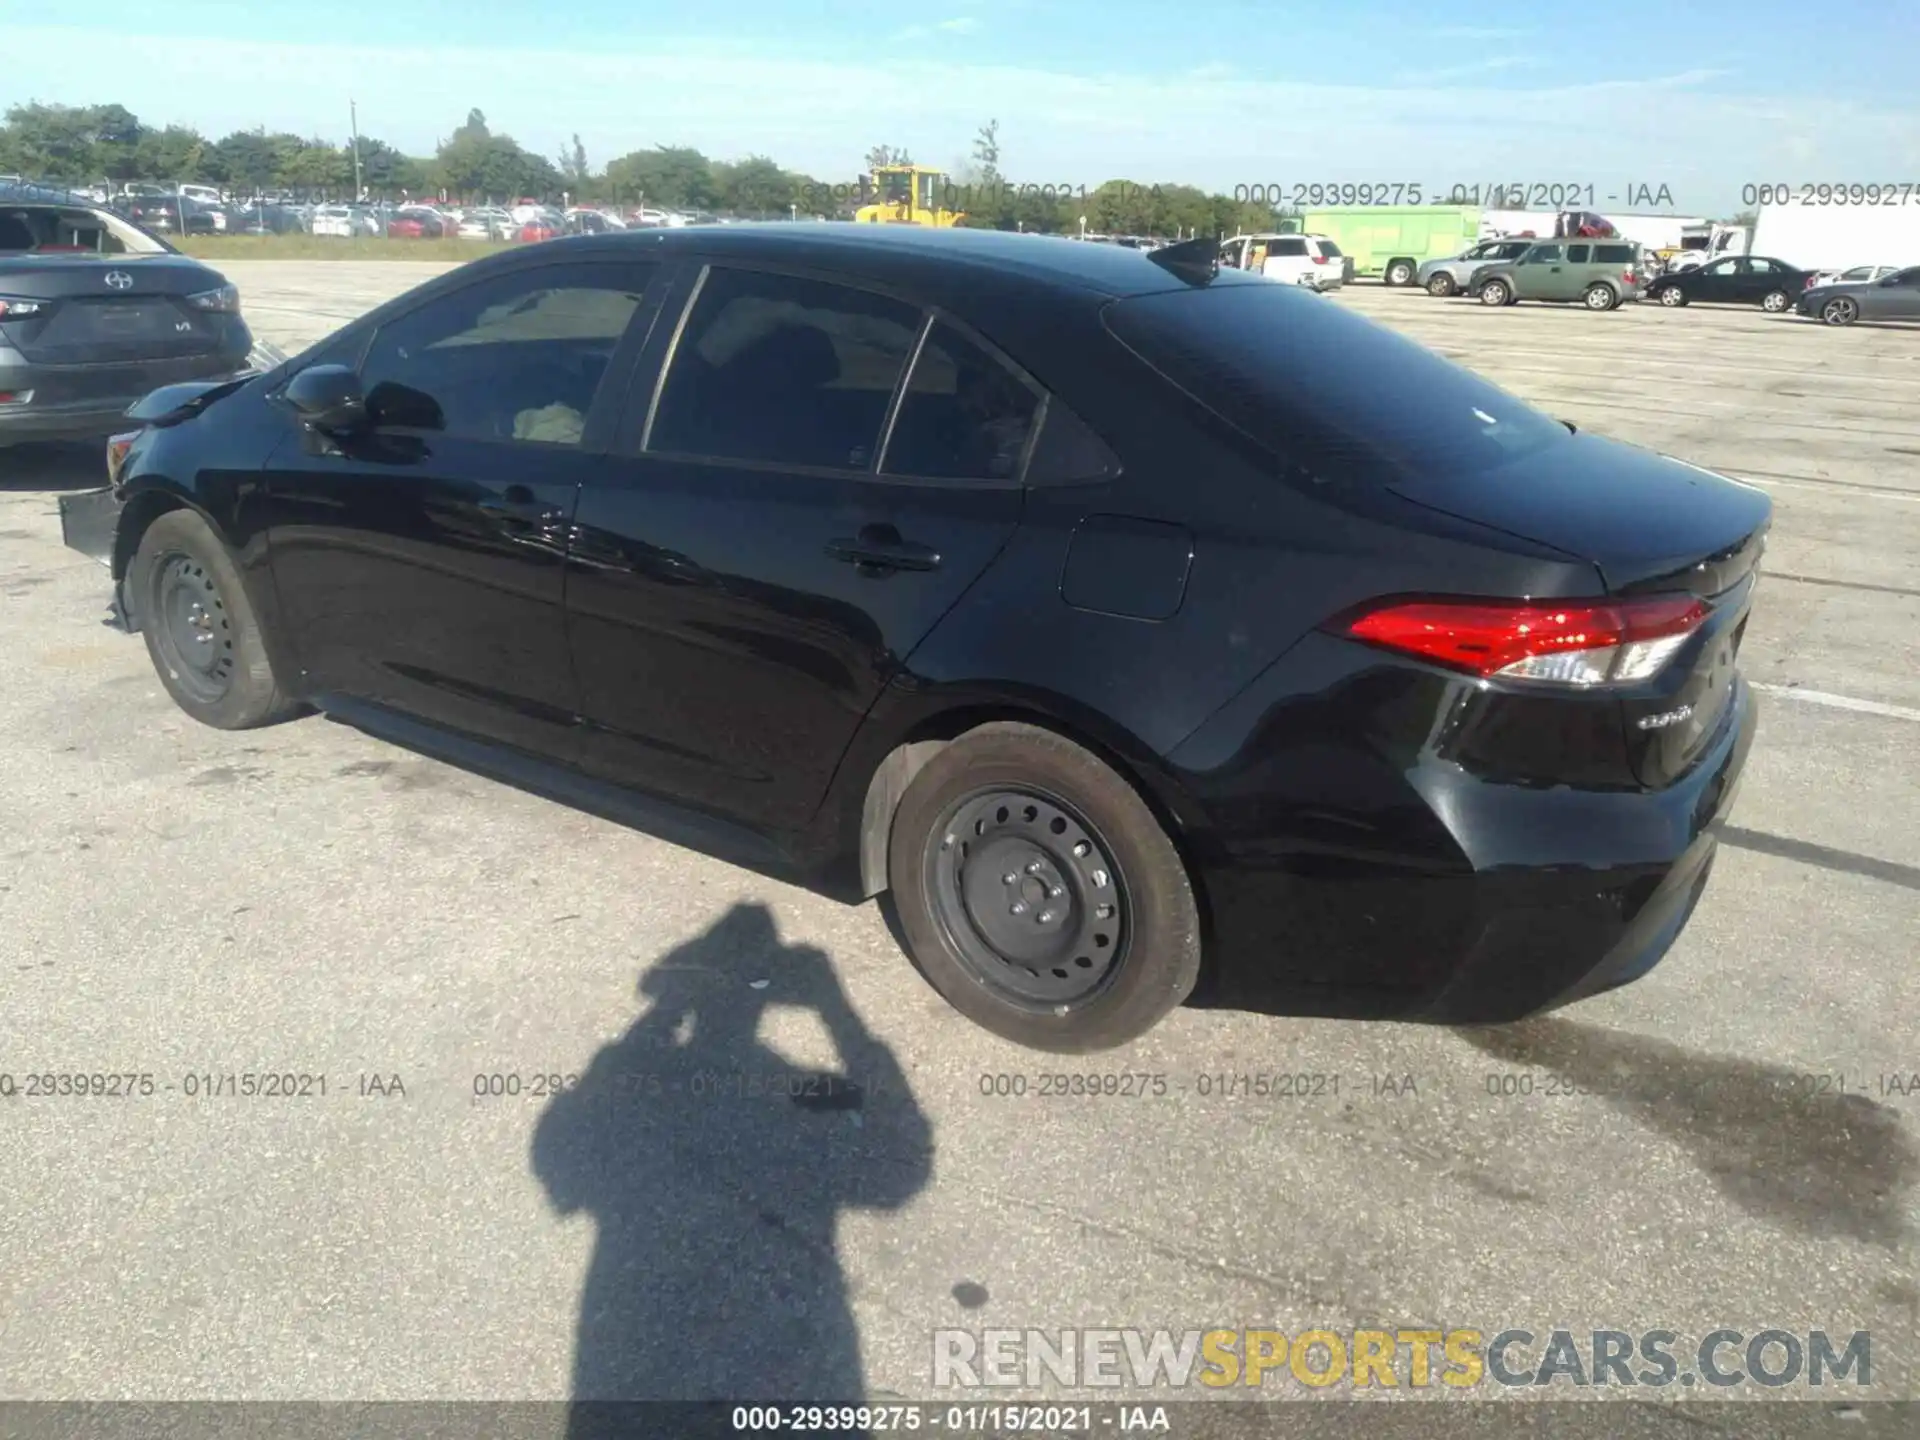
{"points": [[879, 547]]}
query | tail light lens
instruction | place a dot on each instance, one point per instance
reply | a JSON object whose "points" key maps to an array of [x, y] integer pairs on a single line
{"points": [[1579, 644], [225, 300], [20, 309], [1319, 259]]}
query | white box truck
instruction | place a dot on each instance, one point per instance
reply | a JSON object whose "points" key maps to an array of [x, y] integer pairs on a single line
{"points": [[1838, 236]]}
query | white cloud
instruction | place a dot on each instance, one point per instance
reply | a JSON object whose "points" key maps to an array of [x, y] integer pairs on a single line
{"points": [[960, 25], [1479, 32], [1492, 65], [733, 98]]}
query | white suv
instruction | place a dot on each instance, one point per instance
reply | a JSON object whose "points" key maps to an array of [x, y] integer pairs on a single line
{"points": [[1310, 260]]}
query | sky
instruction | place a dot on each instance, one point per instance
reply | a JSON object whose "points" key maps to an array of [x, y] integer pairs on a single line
{"points": [[1616, 101]]}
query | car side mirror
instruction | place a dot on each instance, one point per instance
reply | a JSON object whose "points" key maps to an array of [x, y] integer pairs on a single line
{"points": [[328, 398]]}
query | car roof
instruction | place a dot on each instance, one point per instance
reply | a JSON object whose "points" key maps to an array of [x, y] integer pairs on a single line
{"points": [[27, 192], [907, 254]]}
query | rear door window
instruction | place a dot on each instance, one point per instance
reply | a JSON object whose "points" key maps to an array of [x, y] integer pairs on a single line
{"points": [[1577, 254], [1613, 254], [1336, 396], [1327, 247], [783, 370], [964, 414], [1288, 245]]}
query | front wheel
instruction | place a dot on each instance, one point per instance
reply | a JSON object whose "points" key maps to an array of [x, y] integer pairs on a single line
{"points": [[1841, 310], [1441, 286], [1400, 272], [1601, 297], [1775, 301], [1039, 894], [1496, 292], [201, 632], [1673, 296]]}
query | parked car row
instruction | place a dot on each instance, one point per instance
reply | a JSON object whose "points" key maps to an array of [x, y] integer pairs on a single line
{"points": [[1605, 274]]}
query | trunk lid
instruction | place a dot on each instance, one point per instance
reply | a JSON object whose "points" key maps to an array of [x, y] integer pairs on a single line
{"points": [[1651, 525], [108, 309]]}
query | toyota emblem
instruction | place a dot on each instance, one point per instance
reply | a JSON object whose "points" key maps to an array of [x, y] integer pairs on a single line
{"points": [[119, 280]]}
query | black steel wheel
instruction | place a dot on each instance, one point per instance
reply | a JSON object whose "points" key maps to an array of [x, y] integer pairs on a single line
{"points": [[1028, 896], [1038, 892], [201, 631], [191, 627]]}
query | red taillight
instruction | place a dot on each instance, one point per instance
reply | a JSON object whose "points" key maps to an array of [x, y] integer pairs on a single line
{"points": [[1579, 643], [1319, 259]]}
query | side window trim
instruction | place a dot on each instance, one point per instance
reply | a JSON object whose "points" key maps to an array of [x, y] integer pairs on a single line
{"points": [[665, 367], [901, 386]]}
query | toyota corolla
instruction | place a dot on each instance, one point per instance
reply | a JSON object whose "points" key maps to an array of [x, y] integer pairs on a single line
{"points": [[1124, 620], [95, 313]]}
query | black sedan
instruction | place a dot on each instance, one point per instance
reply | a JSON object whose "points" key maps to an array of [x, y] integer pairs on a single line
{"points": [[95, 313], [1125, 619], [1892, 297], [1760, 280]]}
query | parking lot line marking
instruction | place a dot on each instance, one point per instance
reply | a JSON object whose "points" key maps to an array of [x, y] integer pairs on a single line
{"points": [[1838, 702], [1868, 491]]}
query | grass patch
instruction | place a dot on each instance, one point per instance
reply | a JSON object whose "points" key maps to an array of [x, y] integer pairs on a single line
{"points": [[336, 247]]}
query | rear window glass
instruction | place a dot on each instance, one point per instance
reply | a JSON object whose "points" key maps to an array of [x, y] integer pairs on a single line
{"points": [[1613, 254], [1327, 247], [1338, 396]]}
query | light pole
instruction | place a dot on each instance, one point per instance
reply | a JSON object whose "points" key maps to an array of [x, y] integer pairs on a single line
{"points": [[353, 113]]}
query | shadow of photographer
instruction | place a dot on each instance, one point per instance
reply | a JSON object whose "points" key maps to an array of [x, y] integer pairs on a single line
{"points": [[715, 1171]]}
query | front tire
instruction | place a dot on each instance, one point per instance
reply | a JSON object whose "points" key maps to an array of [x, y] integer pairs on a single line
{"points": [[1496, 292], [1775, 301], [1673, 296], [201, 631], [1400, 272], [1039, 894], [1441, 286]]}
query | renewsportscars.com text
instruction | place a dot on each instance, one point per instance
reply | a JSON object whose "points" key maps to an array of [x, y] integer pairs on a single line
{"points": [[1407, 1358]]}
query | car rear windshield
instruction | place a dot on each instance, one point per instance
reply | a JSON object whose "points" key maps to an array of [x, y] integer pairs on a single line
{"points": [[1327, 247], [1336, 396]]}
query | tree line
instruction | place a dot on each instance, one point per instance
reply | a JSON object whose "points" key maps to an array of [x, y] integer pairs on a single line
{"points": [[87, 145]]}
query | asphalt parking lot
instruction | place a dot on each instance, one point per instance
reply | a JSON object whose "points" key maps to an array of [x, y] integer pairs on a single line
{"points": [[180, 902]]}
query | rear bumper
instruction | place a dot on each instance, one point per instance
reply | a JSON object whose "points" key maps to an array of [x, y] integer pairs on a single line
{"points": [[80, 402], [1344, 883]]}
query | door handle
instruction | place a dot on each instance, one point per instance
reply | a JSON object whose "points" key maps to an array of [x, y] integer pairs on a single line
{"points": [[880, 548]]}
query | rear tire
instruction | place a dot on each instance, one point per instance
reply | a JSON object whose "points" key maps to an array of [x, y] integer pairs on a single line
{"points": [[1441, 286], [201, 631], [1039, 894], [1496, 292], [1775, 302], [1400, 272], [1602, 297]]}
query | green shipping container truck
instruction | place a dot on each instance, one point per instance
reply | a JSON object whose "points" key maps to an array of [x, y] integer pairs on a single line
{"points": [[1378, 236]]}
